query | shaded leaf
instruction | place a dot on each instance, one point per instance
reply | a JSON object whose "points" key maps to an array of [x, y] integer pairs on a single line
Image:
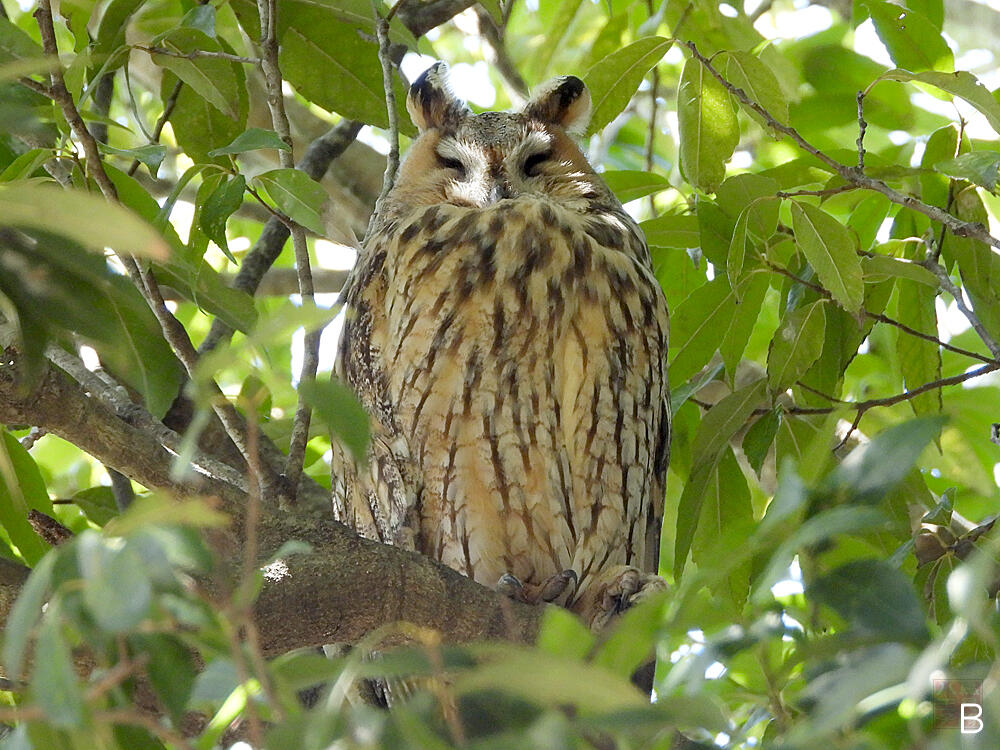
{"points": [[83, 217], [978, 167], [919, 360], [53, 681], [118, 592], [25, 613], [875, 598], [628, 185], [698, 326], [337, 405], [212, 78], [672, 230], [251, 140], [797, 343], [225, 198]]}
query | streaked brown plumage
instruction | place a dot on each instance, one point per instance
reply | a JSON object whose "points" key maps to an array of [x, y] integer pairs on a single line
{"points": [[506, 333]]}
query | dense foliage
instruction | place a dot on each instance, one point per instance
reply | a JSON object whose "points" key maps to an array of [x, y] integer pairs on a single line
{"points": [[817, 186]]}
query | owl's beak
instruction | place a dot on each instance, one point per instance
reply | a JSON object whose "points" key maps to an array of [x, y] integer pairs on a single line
{"points": [[499, 189]]}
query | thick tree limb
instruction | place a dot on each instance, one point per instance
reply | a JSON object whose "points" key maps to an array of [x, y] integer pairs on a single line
{"points": [[346, 588]]}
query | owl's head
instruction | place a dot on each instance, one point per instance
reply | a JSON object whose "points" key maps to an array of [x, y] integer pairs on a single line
{"points": [[476, 160]]}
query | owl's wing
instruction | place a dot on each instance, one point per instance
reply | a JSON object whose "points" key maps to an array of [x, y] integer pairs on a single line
{"points": [[375, 499], [661, 459]]}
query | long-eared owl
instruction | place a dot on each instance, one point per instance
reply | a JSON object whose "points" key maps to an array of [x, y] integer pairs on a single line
{"points": [[506, 333]]}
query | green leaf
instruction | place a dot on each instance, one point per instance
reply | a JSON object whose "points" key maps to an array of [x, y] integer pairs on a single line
{"points": [[337, 405], [830, 250], [844, 519], [759, 439], [867, 217], [25, 613], [672, 230], [512, 669], [221, 203], [199, 126], [118, 592], [875, 598], [212, 78], [978, 264], [615, 79], [558, 16], [15, 44], [564, 634], [941, 146], [296, 195], [919, 360], [709, 130], [913, 41], [698, 327], [717, 427], [83, 217], [872, 469], [171, 669], [53, 682], [960, 83], [797, 343], [750, 294], [750, 73], [26, 165], [880, 268], [21, 490], [632, 642], [725, 505], [97, 504], [151, 155], [628, 185], [251, 140], [978, 167], [334, 66], [132, 345]]}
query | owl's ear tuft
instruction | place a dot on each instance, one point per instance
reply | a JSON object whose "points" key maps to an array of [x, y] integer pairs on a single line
{"points": [[430, 101], [563, 101]]}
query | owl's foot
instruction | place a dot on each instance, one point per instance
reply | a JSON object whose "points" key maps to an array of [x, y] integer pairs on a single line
{"points": [[614, 592], [533, 593]]}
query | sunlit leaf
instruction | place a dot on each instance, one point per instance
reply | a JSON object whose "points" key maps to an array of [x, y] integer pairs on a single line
{"points": [[296, 195], [831, 251], [709, 130], [613, 80], [913, 42]]}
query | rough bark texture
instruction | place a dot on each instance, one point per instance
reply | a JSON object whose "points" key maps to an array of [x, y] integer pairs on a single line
{"points": [[343, 590]]}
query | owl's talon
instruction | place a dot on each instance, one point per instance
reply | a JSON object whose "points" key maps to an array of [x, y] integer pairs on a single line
{"points": [[620, 589], [547, 591], [510, 587], [552, 588]]}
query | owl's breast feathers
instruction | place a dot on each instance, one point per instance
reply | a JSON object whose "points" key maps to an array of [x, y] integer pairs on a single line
{"points": [[514, 360]]}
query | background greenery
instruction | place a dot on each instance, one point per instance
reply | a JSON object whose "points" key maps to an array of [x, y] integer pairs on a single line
{"points": [[816, 182]]}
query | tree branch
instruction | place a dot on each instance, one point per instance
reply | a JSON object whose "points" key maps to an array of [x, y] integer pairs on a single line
{"points": [[958, 227]]}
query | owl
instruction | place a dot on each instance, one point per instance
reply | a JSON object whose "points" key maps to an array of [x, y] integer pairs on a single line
{"points": [[506, 333]]}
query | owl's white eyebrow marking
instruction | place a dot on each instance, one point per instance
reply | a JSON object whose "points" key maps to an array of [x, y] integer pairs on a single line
{"points": [[448, 148]]}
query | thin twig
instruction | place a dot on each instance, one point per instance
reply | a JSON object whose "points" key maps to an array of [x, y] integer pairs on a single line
{"points": [[310, 360], [949, 286], [173, 331], [823, 193], [957, 226], [883, 318], [862, 127], [168, 109], [392, 158], [198, 53], [38, 88], [501, 62]]}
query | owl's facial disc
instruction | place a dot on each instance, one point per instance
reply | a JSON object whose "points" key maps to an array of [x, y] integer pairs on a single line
{"points": [[481, 171]]}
